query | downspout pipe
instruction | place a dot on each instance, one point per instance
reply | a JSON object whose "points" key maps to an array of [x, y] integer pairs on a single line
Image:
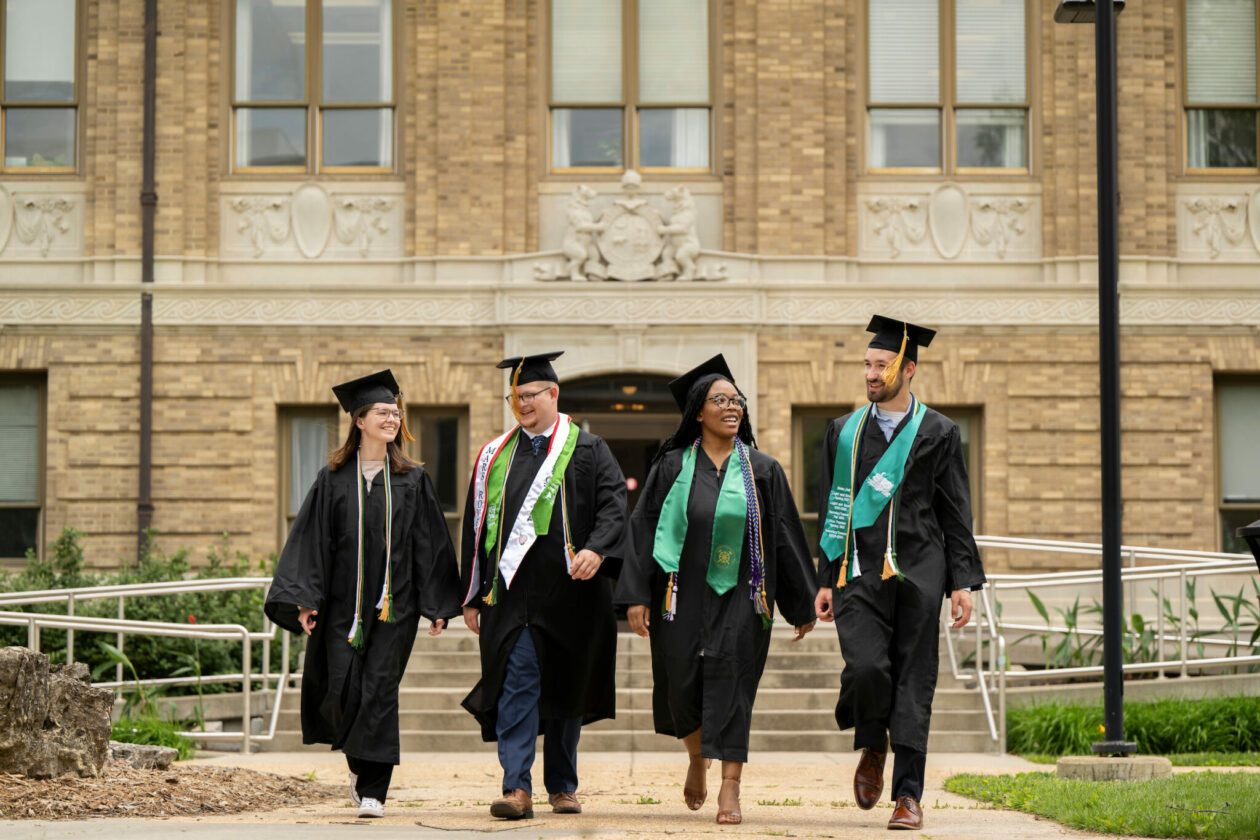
{"points": [[148, 209]]}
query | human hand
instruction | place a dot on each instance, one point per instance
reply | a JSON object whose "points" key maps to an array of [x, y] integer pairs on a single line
{"points": [[585, 564], [472, 618], [822, 605], [435, 627], [306, 618], [960, 608], [638, 617], [802, 629]]}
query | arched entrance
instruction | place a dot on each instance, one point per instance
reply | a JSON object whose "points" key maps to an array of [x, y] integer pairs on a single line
{"points": [[633, 412]]}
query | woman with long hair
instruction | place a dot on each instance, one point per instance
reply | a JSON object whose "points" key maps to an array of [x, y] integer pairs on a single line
{"points": [[718, 544], [367, 556]]}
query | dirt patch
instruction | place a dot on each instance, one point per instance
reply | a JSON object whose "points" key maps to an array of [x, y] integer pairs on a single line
{"points": [[122, 791]]}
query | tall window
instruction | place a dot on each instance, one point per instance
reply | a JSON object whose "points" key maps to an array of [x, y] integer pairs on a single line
{"points": [[630, 85], [1238, 406], [441, 435], [38, 93], [21, 464], [947, 87], [1221, 72], [314, 86], [307, 436]]}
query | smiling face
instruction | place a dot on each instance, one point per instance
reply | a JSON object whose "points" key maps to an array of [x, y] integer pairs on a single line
{"points": [[876, 362], [539, 406], [380, 422], [721, 422]]}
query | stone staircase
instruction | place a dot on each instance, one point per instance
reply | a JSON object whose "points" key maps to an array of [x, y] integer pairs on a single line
{"points": [[794, 710]]}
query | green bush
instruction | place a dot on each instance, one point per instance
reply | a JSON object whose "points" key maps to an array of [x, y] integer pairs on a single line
{"points": [[1159, 727]]}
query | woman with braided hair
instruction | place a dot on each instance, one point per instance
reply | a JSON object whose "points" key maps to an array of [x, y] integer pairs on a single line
{"points": [[718, 544]]}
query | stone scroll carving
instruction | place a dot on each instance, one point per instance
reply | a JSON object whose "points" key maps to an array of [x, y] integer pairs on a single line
{"points": [[630, 240], [1219, 222], [40, 221], [309, 221], [949, 222]]}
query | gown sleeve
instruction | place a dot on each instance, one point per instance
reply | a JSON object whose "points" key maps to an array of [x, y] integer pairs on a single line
{"points": [[468, 588], [952, 505], [608, 536], [794, 572], [437, 574], [827, 570], [301, 572], [635, 584]]}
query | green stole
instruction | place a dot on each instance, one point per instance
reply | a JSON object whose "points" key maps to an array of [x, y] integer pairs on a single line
{"points": [[846, 514], [730, 519]]}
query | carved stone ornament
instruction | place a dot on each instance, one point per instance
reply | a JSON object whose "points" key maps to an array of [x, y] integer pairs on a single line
{"points": [[899, 221], [262, 218], [996, 221], [6, 217], [1220, 222], [40, 220], [630, 241], [358, 220]]}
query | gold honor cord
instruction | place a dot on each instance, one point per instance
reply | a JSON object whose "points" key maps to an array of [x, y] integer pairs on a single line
{"points": [[516, 394], [890, 373]]}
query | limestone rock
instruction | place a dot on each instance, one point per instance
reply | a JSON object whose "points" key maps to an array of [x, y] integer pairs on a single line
{"points": [[52, 721], [142, 756]]}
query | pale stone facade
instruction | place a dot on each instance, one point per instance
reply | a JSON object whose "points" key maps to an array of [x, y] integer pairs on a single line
{"points": [[271, 287]]}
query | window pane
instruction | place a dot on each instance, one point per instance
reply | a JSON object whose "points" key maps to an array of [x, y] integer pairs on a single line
{"points": [[992, 138], [1221, 138], [1221, 51], [308, 452], [19, 443], [19, 530], [357, 60], [1231, 521], [1240, 450], [586, 137], [354, 137], [39, 137], [905, 51], [439, 451], [586, 51], [271, 137], [39, 38], [270, 50], [674, 137], [989, 39], [905, 137], [813, 431], [674, 51]]}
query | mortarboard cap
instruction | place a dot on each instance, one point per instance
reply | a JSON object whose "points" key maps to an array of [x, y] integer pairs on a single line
{"points": [[536, 368], [680, 386], [889, 333], [373, 388]]}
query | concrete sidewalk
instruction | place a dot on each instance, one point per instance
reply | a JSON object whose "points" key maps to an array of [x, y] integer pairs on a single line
{"points": [[447, 796]]}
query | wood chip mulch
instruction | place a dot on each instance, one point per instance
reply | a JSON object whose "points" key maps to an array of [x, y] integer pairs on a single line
{"points": [[122, 791]]}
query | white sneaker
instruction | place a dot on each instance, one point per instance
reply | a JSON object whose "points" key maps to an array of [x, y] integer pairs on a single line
{"points": [[354, 789], [370, 807]]}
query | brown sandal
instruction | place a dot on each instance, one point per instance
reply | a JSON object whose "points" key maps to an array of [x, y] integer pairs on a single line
{"points": [[695, 798], [731, 817]]}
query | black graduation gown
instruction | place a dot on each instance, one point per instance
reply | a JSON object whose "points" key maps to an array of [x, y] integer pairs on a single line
{"points": [[889, 629], [349, 696], [571, 621], [707, 662]]}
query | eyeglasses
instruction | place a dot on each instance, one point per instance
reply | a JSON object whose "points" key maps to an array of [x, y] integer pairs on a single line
{"points": [[388, 413], [525, 398], [722, 401]]}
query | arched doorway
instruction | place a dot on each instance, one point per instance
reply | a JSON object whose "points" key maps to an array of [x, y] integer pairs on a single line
{"points": [[633, 412]]}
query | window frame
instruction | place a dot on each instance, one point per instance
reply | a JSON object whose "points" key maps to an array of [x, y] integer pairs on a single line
{"points": [[460, 412], [1184, 111], [73, 104], [313, 104], [1251, 508], [629, 103], [285, 414], [946, 104], [40, 381]]}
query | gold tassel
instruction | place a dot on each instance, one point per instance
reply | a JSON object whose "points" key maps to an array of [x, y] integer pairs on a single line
{"points": [[844, 574], [402, 423], [888, 569], [890, 373], [516, 397]]}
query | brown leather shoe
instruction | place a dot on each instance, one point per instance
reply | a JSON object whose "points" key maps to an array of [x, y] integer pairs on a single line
{"points": [[907, 814], [868, 781], [516, 805], [565, 802]]}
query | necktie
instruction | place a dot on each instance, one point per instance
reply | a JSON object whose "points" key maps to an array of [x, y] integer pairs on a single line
{"points": [[539, 442]]}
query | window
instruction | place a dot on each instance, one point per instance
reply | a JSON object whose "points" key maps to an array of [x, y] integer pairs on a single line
{"points": [[947, 87], [307, 436], [630, 75], [21, 464], [1221, 72], [809, 431], [441, 435], [314, 86], [1237, 407], [38, 93]]}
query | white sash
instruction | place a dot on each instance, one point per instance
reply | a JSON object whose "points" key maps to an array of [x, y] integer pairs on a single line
{"points": [[484, 458], [521, 538]]}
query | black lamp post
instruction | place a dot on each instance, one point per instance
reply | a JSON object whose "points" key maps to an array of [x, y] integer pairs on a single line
{"points": [[1083, 11], [1251, 533]]}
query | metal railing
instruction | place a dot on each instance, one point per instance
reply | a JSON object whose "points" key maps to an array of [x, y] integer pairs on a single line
{"points": [[121, 626], [1172, 650]]}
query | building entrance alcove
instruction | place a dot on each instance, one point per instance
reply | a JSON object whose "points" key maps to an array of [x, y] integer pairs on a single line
{"points": [[633, 412]]}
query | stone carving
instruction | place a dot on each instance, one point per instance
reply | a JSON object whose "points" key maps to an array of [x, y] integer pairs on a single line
{"points": [[996, 221], [897, 222], [52, 721], [6, 217], [40, 220], [262, 218], [630, 241], [358, 220], [1219, 221]]}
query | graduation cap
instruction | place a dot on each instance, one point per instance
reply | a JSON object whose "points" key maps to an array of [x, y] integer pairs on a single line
{"points": [[901, 337], [373, 388], [536, 368], [680, 386]]}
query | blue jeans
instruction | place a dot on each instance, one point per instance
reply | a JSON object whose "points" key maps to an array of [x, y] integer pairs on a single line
{"points": [[517, 727]]}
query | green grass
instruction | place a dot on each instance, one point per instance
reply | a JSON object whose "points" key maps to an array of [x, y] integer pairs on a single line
{"points": [[1214, 806], [1202, 759]]}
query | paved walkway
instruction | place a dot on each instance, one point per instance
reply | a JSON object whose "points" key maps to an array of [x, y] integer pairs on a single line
{"points": [[624, 795]]}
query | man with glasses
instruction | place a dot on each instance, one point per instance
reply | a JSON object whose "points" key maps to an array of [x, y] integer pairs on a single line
{"points": [[542, 544]]}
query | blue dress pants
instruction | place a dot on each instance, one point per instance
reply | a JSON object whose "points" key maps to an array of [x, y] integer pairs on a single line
{"points": [[517, 727]]}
